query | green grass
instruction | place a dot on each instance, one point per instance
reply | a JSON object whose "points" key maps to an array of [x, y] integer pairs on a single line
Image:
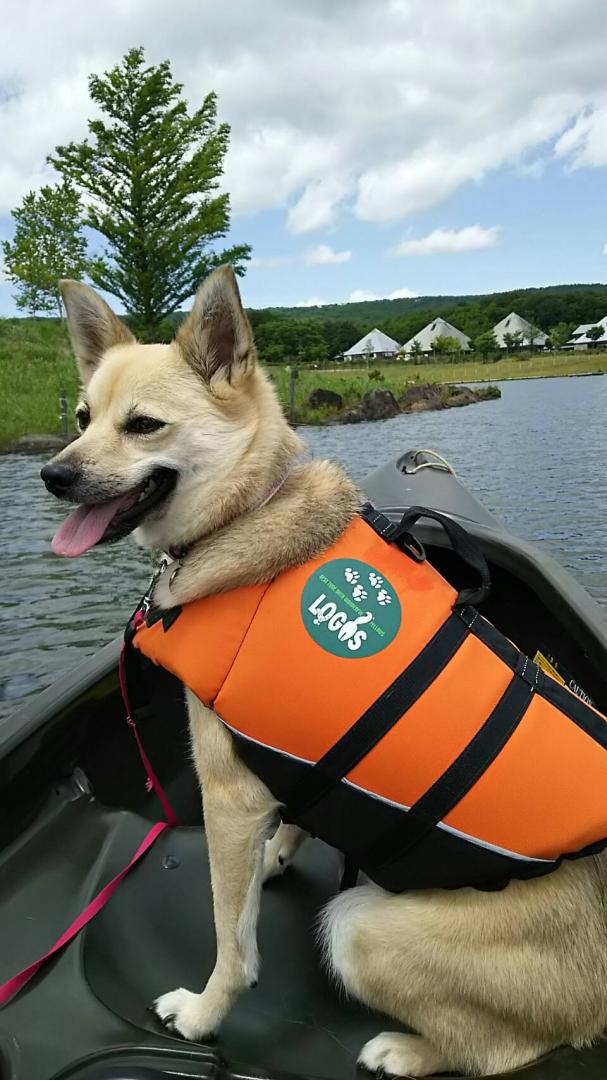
{"points": [[36, 363], [353, 383]]}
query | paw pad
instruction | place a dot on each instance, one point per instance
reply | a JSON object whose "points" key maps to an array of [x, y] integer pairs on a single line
{"points": [[383, 597], [375, 580], [351, 575], [358, 593]]}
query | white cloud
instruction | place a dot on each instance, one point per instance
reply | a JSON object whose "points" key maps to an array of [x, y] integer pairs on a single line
{"points": [[358, 295], [348, 107], [451, 241], [402, 294], [323, 254], [318, 205], [584, 143]]}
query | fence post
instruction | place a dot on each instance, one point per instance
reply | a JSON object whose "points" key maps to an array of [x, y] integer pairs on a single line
{"points": [[293, 376], [63, 413]]}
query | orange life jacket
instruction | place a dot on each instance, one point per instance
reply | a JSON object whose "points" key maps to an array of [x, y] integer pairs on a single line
{"points": [[391, 719]]}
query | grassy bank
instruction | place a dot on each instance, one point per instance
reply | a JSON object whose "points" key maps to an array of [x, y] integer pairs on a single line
{"points": [[352, 383], [36, 363]]}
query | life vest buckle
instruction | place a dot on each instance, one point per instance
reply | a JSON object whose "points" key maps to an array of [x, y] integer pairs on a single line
{"points": [[412, 547]]}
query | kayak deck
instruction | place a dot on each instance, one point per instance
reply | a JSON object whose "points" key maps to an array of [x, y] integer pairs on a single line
{"points": [[157, 934]]}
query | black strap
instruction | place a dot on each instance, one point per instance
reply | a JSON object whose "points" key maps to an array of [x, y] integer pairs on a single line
{"points": [[457, 780], [379, 718], [464, 545], [583, 715]]}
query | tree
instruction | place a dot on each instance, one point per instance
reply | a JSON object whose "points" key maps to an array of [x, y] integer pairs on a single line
{"points": [[486, 344], [445, 345], [48, 245], [368, 353], [594, 333], [149, 174], [415, 352], [561, 333]]}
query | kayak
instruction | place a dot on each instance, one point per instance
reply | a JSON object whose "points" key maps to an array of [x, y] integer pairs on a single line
{"points": [[75, 807]]}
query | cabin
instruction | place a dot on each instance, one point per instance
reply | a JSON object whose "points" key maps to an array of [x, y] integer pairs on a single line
{"points": [[524, 332], [579, 339], [425, 340], [373, 346]]}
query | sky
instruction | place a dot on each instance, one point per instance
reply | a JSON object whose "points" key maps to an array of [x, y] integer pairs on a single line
{"points": [[379, 149]]}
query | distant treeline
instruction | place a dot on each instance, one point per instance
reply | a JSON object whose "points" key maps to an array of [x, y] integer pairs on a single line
{"points": [[304, 335]]}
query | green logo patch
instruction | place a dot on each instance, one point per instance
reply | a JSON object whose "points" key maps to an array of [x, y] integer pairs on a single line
{"points": [[350, 609]]}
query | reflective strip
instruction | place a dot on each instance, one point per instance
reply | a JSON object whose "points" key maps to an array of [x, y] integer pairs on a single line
{"points": [[396, 805]]}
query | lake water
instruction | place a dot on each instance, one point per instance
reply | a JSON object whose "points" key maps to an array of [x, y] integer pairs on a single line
{"points": [[536, 458]]}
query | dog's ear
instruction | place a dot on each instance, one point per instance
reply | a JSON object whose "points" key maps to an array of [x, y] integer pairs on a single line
{"points": [[92, 325], [216, 337]]}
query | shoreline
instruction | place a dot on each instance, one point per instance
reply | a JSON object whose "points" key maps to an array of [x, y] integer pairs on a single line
{"points": [[36, 443]]}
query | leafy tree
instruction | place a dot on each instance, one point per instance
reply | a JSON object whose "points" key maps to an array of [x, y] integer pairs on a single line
{"points": [[508, 340], [595, 332], [446, 345], [486, 344], [416, 352], [561, 333], [150, 174], [48, 245]]}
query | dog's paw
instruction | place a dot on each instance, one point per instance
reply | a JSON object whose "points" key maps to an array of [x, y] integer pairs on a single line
{"points": [[182, 1013], [384, 597], [358, 593], [351, 576], [375, 580], [391, 1054]]}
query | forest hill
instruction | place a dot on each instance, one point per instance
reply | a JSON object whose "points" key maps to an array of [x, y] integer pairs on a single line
{"points": [[308, 335]]}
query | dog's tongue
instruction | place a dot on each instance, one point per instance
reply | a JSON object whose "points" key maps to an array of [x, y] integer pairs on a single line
{"points": [[85, 526]]}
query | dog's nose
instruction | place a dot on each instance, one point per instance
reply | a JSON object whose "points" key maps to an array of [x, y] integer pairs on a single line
{"points": [[58, 477]]}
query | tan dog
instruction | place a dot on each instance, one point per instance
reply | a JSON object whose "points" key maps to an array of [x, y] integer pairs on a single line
{"points": [[183, 444]]}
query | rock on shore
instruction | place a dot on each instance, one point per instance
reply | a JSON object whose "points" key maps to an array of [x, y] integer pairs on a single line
{"points": [[380, 404]]}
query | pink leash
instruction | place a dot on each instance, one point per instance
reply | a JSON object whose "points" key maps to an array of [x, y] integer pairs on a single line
{"points": [[14, 985]]}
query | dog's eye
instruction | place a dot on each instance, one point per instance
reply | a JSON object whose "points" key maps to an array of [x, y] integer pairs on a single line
{"points": [[143, 425], [83, 418]]}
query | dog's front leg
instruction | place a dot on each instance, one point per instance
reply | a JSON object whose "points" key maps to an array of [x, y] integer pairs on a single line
{"points": [[239, 814]]}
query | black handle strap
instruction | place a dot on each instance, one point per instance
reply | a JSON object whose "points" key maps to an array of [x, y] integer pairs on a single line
{"points": [[464, 545]]}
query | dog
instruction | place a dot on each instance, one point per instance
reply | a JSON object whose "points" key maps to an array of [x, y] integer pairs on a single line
{"points": [[186, 447]]}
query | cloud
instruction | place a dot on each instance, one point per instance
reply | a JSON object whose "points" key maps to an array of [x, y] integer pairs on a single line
{"points": [[451, 241], [318, 205], [335, 109], [584, 143], [325, 255], [358, 295]]}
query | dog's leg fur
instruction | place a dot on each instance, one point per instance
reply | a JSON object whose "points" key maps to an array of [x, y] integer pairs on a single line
{"points": [[490, 980], [240, 813], [281, 849]]}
